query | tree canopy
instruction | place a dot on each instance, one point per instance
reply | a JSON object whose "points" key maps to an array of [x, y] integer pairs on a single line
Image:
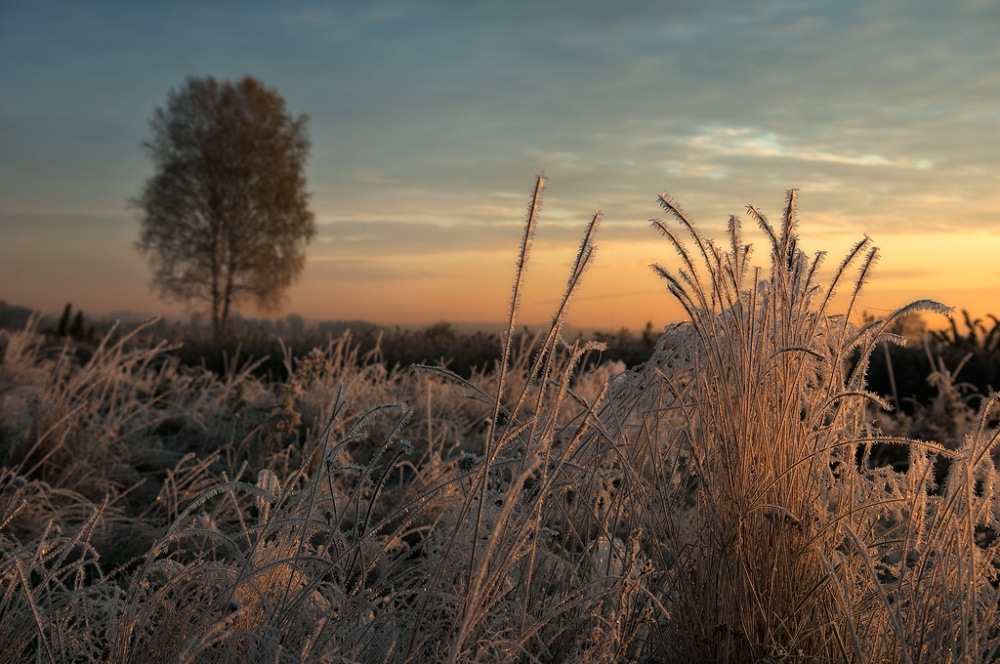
{"points": [[225, 217]]}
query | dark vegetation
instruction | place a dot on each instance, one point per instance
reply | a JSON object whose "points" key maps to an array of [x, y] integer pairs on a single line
{"points": [[967, 347], [903, 374], [463, 353]]}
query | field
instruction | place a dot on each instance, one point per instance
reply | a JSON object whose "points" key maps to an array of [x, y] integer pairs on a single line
{"points": [[742, 495]]}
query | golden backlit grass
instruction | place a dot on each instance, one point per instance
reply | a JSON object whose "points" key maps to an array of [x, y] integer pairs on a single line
{"points": [[709, 505]]}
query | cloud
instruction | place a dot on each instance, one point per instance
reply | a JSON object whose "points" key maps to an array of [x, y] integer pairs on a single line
{"points": [[354, 268], [761, 144]]}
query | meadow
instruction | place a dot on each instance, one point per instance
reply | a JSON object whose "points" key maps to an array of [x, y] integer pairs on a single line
{"points": [[742, 495]]}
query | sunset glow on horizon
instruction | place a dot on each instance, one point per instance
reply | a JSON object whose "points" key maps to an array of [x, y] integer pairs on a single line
{"points": [[430, 119]]}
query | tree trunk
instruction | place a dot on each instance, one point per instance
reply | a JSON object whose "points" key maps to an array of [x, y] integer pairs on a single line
{"points": [[227, 296], [218, 317]]}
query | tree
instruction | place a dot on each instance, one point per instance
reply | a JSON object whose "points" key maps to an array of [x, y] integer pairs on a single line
{"points": [[225, 218]]}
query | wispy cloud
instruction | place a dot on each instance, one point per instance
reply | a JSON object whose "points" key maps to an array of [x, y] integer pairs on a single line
{"points": [[761, 144]]}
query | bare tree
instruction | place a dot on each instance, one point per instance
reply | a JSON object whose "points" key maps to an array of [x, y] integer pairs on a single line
{"points": [[225, 218]]}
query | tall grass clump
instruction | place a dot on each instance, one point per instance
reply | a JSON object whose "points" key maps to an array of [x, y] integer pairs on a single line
{"points": [[746, 440]]}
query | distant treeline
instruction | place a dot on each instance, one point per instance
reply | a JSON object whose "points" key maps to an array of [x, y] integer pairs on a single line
{"points": [[439, 345], [969, 346], [266, 343]]}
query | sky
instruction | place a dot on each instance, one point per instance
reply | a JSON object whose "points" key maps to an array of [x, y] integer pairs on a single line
{"points": [[430, 119]]}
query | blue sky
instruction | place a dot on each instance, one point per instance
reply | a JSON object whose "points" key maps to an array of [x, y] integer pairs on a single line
{"points": [[429, 120]]}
